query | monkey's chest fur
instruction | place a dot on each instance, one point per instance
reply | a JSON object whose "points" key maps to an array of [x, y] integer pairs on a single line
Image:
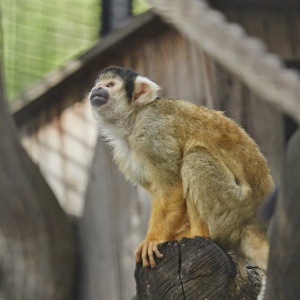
{"points": [[150, 150], [141, 164], [146, 156], [129, 162]]}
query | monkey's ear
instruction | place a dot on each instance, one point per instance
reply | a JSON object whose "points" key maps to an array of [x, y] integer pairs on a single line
{"points": [[145, 90]]}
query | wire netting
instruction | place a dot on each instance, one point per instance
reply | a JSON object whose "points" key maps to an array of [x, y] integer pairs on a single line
{"points": [[40, 36]]}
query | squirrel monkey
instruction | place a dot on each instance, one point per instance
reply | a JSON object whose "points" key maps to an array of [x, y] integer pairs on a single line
{"points": [[199, 166]]}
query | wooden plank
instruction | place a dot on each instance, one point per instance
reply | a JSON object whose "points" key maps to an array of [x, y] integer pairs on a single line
{"points": [[277, 34], [271, 27], [265, 125], [100, 269], [274, 5], [294, 33], [230, 94], [182, 79], [169, 49], [110, 230], [195, 73], [259, 119], [252, 22], [209, 82], [274, 28]]}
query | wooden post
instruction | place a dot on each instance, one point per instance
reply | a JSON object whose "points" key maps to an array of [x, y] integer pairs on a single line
{"points": [[284, 261], [37, 246], [114, 14], [197, 269]]}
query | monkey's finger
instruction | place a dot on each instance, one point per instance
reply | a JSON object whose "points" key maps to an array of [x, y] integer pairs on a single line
{"points": [[150, 254], [156, 251], [138, 253], [145, 255]]}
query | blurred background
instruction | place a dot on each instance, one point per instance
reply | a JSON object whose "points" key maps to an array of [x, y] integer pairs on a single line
{"points": [[52, 51]]}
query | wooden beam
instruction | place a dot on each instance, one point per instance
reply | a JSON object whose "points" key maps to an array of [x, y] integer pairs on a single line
{"points": [[114, 14], [281, 5]]}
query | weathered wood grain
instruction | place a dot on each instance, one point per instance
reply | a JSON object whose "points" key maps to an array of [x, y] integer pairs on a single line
{"points": [[196, 269], [113, 223], [164, 282]]}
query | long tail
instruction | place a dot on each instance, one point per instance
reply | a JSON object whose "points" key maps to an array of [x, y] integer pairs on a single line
{"points": [[255, 246]]}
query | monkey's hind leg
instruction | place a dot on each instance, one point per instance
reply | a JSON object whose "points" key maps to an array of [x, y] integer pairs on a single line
{"points": [[205, 182], [197, 226], [215, 197]]}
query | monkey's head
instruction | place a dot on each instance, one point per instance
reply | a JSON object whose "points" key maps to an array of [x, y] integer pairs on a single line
{"points": [[119, 91]]}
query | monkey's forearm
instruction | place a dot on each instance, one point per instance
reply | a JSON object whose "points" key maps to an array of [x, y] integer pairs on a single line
{"points": [[168, 212], [167, 216]]}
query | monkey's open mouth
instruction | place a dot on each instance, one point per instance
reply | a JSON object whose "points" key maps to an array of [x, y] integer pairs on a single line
{"points": [[97, 101]]}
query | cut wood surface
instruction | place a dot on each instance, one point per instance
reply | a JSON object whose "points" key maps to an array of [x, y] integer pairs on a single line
{"points": [[196, 269]]}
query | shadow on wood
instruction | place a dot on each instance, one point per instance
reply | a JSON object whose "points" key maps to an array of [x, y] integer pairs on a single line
{"points": [[197, 269]]}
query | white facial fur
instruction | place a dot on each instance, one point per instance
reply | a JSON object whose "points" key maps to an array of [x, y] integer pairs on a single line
{"points": [[119, 107]]}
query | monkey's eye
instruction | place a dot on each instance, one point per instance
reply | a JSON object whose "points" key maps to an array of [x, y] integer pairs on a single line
{"points": [[110, 84]]}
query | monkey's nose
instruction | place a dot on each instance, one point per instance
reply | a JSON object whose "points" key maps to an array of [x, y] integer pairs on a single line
{"points": [[96, 88], [99, 96]]}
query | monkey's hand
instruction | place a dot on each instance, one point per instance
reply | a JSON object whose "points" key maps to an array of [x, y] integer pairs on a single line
{"points": [[145, 251]]}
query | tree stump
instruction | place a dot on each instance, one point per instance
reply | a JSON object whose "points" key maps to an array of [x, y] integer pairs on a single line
{"points": [[197, 269]]}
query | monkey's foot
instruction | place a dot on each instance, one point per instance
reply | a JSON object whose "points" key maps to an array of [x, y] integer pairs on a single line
{"points": [[145, 252]]}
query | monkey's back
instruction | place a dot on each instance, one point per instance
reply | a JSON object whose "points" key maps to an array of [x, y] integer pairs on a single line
{"points": [[225, 140]]}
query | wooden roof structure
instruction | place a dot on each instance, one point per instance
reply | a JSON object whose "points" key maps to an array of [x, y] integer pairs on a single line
{"points": [[76, 76], [229, 45]]}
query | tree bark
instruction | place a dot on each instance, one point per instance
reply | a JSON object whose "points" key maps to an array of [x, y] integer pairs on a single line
{"points": [[37, 257]]}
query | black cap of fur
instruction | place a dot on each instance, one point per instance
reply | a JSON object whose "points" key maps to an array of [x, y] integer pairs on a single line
{"points": [[127, 75]]}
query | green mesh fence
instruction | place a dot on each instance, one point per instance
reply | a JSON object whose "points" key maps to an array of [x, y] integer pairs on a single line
{"points": [[41, 35]]}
